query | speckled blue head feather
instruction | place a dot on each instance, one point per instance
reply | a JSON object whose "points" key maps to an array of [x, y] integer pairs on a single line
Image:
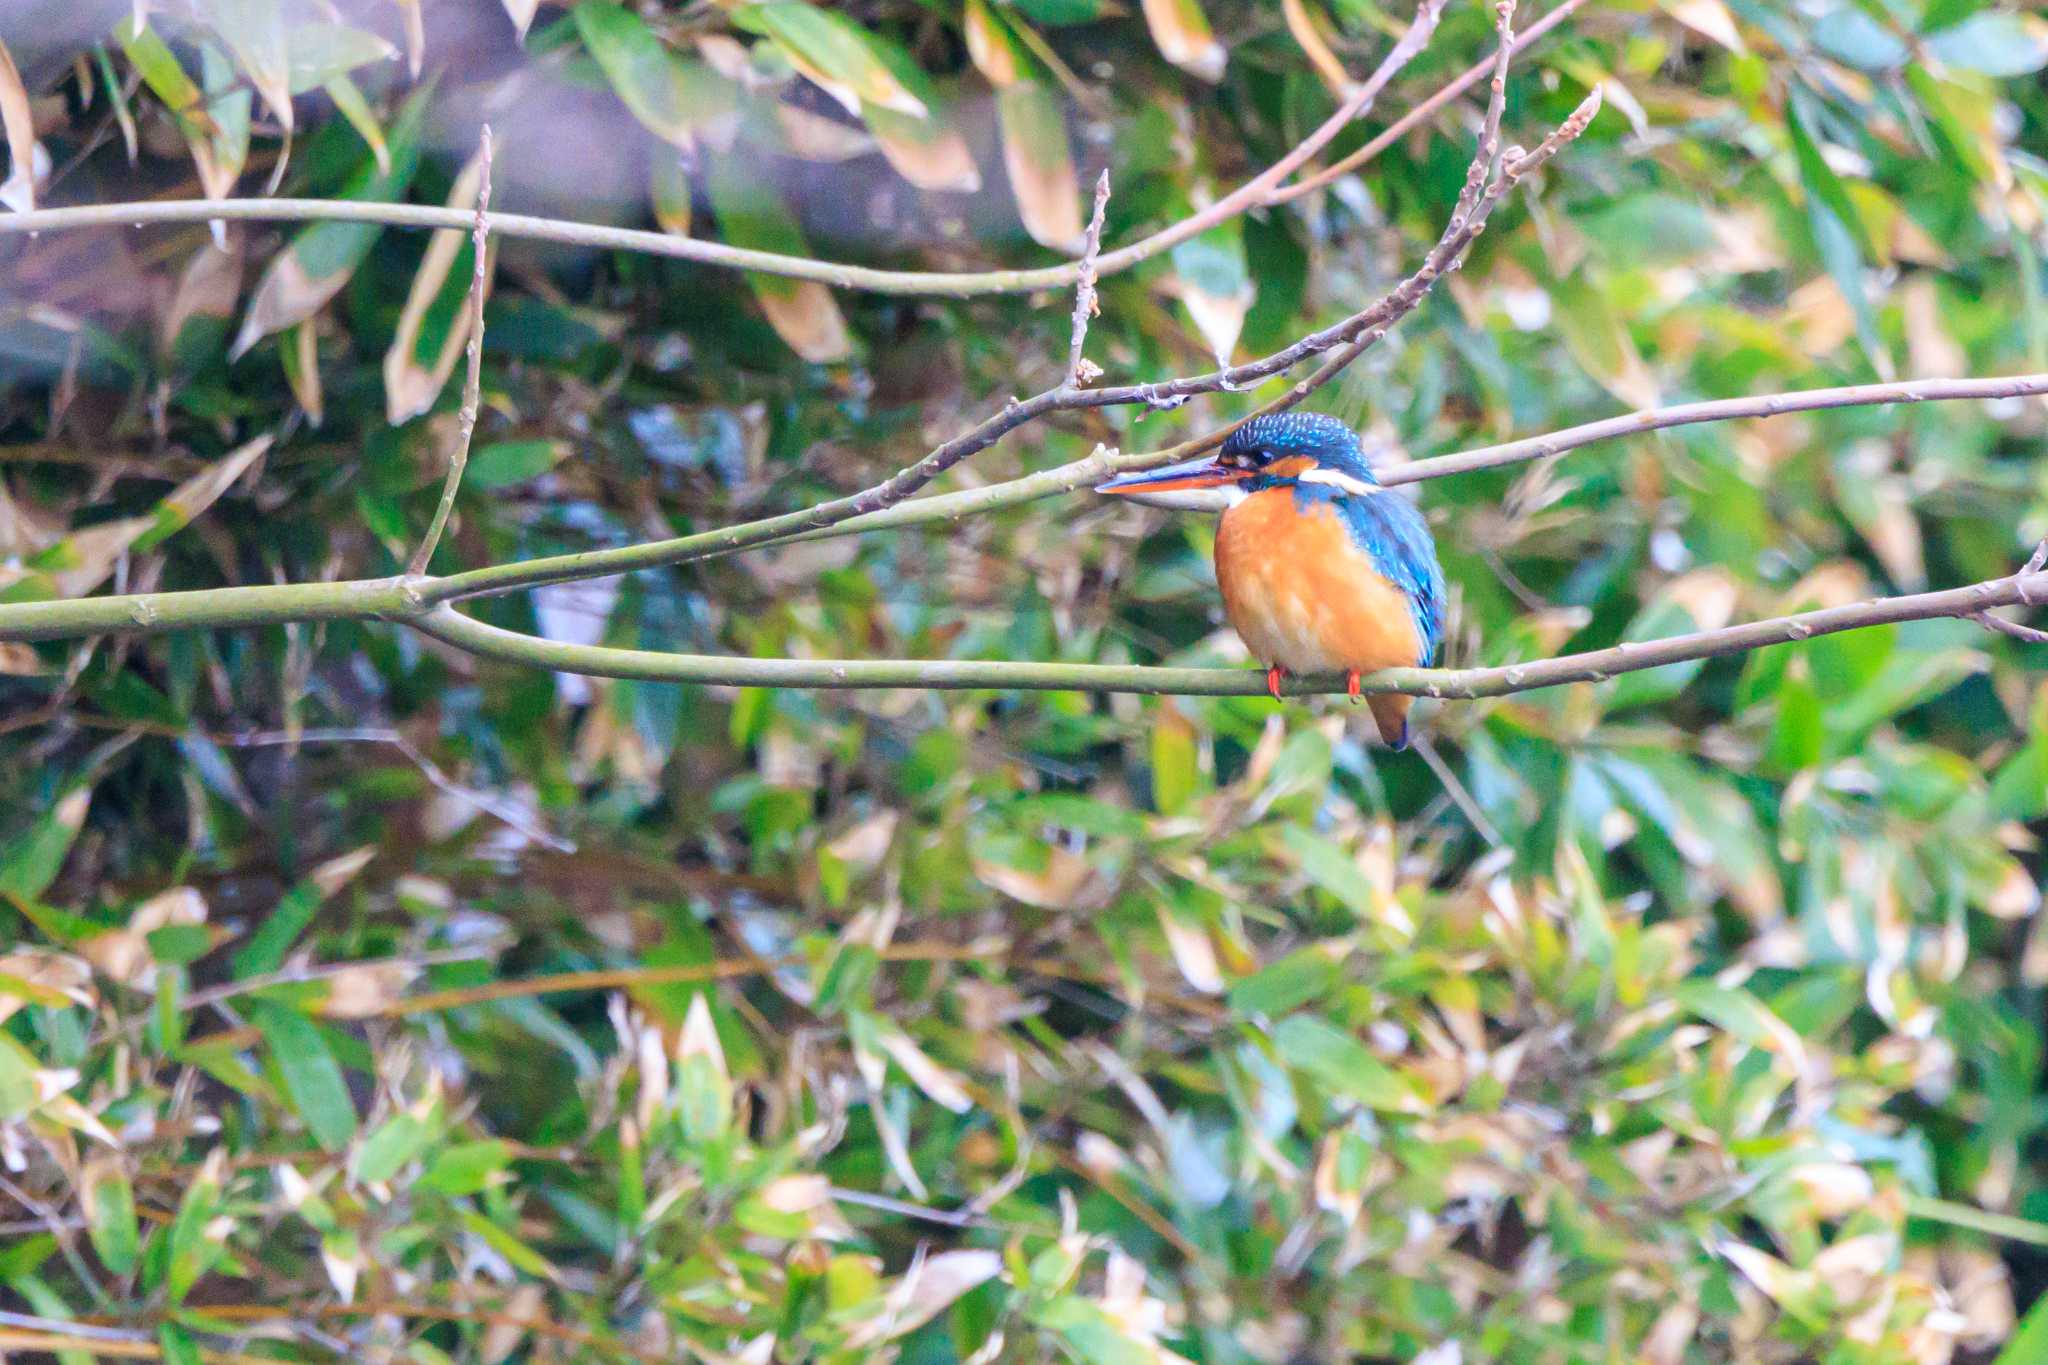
{"points": [[1317, 435]]}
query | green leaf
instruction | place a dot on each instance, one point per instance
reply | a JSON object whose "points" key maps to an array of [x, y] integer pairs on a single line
{"points": [[465, 1168], [388, 1147], [1994, 43], [1303, 975], [505, 463], [830, 45], [1330, 868], [110, 1214], [506, 1245], [312, 1077], [322, 257], [1174, 763], [322, 52], [674, 99], [2029, 1345], [34, 858], [18, 1091], [1340, 1062]]}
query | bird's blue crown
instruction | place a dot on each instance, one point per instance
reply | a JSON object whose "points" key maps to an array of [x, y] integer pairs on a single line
{"points": [[1282, 435]]}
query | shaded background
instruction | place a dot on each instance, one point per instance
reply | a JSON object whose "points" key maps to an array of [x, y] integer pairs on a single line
{"points": [[1693, 1016]]}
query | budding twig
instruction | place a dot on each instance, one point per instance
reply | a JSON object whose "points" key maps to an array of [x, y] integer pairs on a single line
{"points": [[472, 386]]}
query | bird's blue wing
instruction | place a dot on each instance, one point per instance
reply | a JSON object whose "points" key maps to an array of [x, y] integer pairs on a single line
{"points": [[1390, 528]]}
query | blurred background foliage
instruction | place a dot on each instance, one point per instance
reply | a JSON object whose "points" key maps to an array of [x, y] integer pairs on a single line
{"points": [[365, 1000]]}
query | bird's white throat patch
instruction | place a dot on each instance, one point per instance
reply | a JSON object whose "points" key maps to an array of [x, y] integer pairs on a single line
{"points": [[1337, 478]]}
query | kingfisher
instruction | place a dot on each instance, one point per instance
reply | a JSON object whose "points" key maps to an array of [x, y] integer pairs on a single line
{"points": [[1322, 569]]}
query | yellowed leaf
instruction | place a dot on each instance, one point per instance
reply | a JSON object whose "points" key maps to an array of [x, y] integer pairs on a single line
{"points": [[1931, 353], [1709, 19], [302, 371], [18, 660], [990, 47], [207, 287], [367, 989], [1041, 165], [813, 137], [287, 295], [1182, 34], [807, 318], [123, 954], [18, 192], [1192, 952], [931, 154], [669, 191], [1314, 45], [410, 388], [45, 977]]}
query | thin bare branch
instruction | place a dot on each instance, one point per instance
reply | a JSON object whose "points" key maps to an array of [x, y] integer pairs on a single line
{"points": [[394, 599], [1081, 370], [1422, 112], [472, 387]]}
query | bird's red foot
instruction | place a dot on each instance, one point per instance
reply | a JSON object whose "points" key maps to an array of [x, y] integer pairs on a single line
{"points": [[1273, 677], [1351, 684]]}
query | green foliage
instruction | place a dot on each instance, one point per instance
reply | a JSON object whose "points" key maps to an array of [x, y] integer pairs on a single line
{"points": [[361, 994]]}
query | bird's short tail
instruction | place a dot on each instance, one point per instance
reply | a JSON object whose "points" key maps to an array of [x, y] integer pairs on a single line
{"points": [[1390, 713]]}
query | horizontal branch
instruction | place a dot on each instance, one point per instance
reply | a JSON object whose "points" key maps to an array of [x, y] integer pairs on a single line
{"points": [[1717, 410], [396, 599], [486, 641]]}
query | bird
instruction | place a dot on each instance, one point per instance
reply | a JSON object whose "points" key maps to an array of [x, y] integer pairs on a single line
{"points": [[1322, 569]]}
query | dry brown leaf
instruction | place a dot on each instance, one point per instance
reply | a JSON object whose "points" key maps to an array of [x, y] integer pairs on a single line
{"points": [[931, 154], [525, 1304], [943, 1085], [1056, 886], [1182, 34], [123, 954], [207, 287], [366, 990], [1193, 953], [287, 295], [43, 976], [807, 318], [18, 660], [18, 192], [928, 1287]]}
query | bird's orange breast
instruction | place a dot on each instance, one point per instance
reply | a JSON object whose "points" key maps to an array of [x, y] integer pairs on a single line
{"points": [[1303, 596]]}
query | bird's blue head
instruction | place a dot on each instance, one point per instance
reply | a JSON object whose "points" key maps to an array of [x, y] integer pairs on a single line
{"points": [[1280, 450]]}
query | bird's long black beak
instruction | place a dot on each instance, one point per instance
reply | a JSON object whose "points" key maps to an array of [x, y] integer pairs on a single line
{"points": [[1201, 472]]}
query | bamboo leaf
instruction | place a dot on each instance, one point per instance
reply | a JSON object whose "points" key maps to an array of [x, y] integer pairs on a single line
{"points": [[673, 98], [254, 31], [835, 49], [803, 312], [320, 54], [312, 1077], [1182, 34], [32, 861], [320, 259], [1040, 164], [433, 326], [18, 192]]}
